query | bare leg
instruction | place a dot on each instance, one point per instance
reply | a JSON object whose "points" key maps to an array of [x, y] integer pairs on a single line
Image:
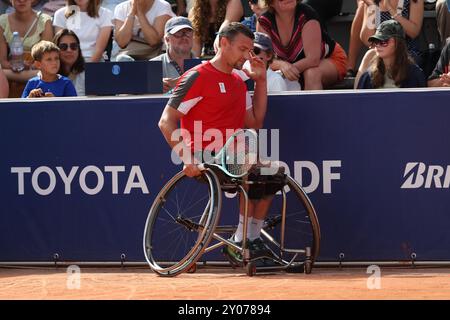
{"points": [[326, 74], [365, 63], [355, 42]]}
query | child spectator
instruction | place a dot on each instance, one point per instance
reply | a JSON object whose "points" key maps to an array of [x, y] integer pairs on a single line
{"points": [[392, 66], [263, 48], [48, 83]]}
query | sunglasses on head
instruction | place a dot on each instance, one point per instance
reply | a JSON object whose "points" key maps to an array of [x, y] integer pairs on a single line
{"points": [[379, 43], [64, 46]]}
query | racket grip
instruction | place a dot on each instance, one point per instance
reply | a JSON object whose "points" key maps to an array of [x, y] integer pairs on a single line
{"points": [[201, 167]]}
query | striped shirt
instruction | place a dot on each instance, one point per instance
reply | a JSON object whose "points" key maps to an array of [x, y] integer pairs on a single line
{"points": [[293, 51]]}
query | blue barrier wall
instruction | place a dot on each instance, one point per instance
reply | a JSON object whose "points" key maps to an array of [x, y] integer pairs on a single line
{"points": [[377, 166]]}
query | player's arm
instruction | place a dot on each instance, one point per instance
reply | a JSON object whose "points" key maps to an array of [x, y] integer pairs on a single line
{"points": [[168, 124], [254, 117]]}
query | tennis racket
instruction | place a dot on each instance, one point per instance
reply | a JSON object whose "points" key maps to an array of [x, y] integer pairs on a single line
{"points": [[237, 156]]}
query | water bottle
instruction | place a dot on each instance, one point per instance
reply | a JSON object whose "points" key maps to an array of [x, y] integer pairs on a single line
{"points": [[16, 49]]}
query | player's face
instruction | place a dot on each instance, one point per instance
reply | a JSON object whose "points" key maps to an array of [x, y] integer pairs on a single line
{"points": [[237, 50]]}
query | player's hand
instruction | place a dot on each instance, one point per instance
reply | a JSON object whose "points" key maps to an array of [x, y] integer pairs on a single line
{"points": [[36, 93], [258, 70], [191, 170], [49, 94]]}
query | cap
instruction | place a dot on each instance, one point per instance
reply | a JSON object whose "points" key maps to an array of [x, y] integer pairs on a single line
{"points": [[263, 41], [388, 29], [175, 24]]}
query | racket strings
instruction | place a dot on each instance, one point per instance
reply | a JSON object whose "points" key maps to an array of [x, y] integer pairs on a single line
{"points": [[241, 154]]}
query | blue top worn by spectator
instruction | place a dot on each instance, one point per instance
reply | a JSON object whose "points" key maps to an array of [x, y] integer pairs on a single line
{"points": [[62, 87], [415, 79]]}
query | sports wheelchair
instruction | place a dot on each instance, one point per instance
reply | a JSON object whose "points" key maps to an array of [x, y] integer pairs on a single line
{"points": [[183, 223]]}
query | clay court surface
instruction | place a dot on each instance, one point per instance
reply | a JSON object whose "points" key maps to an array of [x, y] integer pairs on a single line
{"points": [[214, 283]]}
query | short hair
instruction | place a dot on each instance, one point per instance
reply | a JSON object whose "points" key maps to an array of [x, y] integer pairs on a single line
{"points": [[38, 50], [233, 29]]}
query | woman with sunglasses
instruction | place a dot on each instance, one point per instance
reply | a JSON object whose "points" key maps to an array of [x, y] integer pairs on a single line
{"points": [[392, 67], [71, 58], [409, 13], [92, 24]]}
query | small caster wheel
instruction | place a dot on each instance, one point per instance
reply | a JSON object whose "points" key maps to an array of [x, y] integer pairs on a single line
{"points": [[296, 268], [192, 269], [308, 266], [250, 269]]}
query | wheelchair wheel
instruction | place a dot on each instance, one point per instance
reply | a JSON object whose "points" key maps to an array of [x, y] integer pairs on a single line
{"points": [[302, 228], [181, 222]]}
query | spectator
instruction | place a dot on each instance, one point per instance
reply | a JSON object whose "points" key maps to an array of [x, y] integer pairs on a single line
{"points": [[251, 21], [443, 19], [48, 83], [263, 48], [440, 77], [409, 13], [139, 27], [37, 5], [92, 24], [178, 38], [392, 66], [4, 87], [295, 29], [32, 28], [209, 17], [71, 59]]}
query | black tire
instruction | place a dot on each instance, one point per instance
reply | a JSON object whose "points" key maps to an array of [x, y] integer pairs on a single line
{"points": [[302, 226], [250, 269], [308, 266], [181, 222]]}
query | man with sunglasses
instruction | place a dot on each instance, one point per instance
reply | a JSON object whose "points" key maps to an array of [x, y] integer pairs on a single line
{"points": [[179, 40]]}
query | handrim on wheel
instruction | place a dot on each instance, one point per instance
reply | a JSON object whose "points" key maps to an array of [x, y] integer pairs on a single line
{"points": [[181, 222]]}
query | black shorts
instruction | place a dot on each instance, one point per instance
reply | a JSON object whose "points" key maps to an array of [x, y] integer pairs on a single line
{"points": [[265, 185]]}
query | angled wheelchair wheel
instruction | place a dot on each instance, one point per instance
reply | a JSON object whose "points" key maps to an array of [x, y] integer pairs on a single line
{"points": [[181, 222], [301, 228]]}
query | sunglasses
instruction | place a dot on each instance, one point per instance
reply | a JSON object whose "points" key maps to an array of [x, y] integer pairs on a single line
{"points": [[383, 44], [257, 50], [180, 34], [253, 1], [64, 46]]}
